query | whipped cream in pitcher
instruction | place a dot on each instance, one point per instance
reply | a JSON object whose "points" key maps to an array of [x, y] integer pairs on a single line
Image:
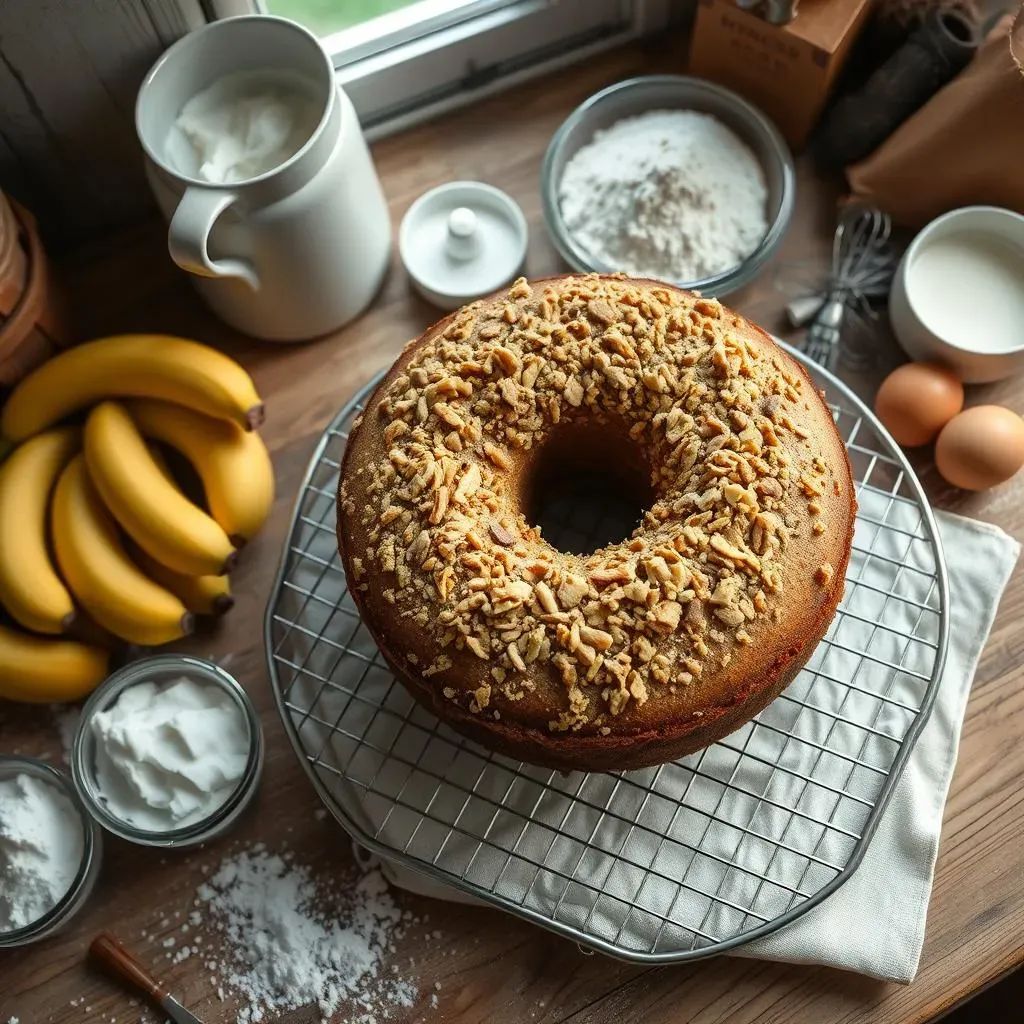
{"points": [[258, 163], [243, 125]]}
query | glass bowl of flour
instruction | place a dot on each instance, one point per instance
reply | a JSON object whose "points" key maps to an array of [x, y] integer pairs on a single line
{"points": [[50, 851], [671, 178]]}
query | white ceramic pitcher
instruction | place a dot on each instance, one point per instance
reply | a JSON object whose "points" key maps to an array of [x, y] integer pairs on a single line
{"points": [[294, 252]]}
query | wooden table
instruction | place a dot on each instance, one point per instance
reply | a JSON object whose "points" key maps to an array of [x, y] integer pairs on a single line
{"points": [[491, 966]]}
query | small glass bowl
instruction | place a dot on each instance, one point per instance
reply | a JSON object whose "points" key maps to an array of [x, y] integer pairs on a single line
{"points": [[673, 92], [88, 870], [166, 668]]}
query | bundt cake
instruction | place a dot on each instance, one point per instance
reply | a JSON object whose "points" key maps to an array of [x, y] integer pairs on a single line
{"points": [[646, 649]]}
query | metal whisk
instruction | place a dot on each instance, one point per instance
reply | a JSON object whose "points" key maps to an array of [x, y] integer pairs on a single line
{"points": [[863, 263]]}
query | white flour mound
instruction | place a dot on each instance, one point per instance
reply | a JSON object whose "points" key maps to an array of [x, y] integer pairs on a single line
{"points": [[290, 943], [41, 841], [670, 194]]}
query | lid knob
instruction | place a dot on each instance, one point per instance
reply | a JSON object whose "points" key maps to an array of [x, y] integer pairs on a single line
{"points": [[463, 241]]}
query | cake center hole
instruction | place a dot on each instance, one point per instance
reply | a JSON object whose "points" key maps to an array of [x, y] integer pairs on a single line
{"points": [[590, 488]]}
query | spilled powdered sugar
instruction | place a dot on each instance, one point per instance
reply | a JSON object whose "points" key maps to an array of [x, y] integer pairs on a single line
{"points": [[290, 942], [66, 718]]}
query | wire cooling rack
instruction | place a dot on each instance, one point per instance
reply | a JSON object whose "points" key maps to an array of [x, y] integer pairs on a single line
{"points": [[662, 865]]}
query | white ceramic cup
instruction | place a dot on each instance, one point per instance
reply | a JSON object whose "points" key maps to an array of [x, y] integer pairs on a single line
{"points": [[924, 343], [294, 252]]}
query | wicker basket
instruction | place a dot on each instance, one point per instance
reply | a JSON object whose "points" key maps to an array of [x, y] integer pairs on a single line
{"points": [[31, 327]]}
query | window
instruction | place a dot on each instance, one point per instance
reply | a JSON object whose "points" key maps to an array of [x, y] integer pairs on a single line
{"points": [[402, 61], [362, 26]]}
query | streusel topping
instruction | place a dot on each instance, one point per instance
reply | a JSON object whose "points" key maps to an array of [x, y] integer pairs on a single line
{"points": [[717, 415]]}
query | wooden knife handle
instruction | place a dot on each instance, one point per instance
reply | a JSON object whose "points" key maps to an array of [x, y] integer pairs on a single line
{"points": [[108, 952]]}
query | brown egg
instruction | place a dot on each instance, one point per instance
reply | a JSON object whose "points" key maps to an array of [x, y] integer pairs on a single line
{"points": [[917, 400], [980, 448]]}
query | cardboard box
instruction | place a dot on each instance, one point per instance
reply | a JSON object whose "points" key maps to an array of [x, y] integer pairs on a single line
{"points": [[786, 70]]}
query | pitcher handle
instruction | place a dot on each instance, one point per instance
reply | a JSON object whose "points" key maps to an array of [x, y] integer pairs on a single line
{"points": [[189, 234]]}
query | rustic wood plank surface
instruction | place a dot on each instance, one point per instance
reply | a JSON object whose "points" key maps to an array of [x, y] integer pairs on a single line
{"points": [[491, 966]]}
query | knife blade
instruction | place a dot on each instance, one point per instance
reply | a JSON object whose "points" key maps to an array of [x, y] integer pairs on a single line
{"points": [[110, 954]]}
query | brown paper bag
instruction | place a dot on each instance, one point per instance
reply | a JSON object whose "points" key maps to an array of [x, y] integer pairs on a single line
{"points": [[964, 147]]}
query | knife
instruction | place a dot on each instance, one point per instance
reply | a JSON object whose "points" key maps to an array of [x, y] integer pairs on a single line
{"points": [[109, 954]]}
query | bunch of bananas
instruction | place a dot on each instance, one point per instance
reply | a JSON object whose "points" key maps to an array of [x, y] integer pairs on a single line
{"points": [[128, 547]]}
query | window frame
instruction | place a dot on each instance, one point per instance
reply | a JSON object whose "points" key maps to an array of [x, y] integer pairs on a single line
{"points": [[424, 67], [417, 22]]}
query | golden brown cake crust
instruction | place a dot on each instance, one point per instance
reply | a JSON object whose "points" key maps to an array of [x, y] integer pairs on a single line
{"points": [[643, 651]]}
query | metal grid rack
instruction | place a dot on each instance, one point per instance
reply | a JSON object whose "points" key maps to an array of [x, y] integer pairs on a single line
{"points": [[662, 865]]}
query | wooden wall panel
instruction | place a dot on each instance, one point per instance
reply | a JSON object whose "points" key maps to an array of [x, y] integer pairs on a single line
{"points": [[69, 73]]}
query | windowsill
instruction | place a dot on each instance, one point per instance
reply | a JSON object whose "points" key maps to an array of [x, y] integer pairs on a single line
{"points": [[400, 120], [414, 82]]}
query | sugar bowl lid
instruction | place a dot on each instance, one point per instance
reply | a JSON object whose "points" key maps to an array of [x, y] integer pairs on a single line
{"points": [[461, 241]]}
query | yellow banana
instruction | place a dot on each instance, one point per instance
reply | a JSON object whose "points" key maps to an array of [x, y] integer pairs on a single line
{"points": [[30, 588], [232, 463], [204, 595], [146, 365], [161, 464], [48, 671], [101, 575], [152, 511]]}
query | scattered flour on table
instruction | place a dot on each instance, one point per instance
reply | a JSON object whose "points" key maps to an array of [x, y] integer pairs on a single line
{"points": [[670, 194], [289, 940], [66, 717], [41, 842]]}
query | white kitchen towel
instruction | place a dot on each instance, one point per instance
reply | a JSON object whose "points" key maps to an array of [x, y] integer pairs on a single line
{"points": [[874, 923]]}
